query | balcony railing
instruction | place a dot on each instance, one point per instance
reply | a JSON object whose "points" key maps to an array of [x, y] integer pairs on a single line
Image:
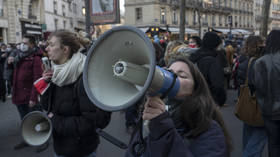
{"points": [[30, 16]]}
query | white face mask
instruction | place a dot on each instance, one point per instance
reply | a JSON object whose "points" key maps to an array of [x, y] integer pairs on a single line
{"points": [[8, 49], [23, 47]]}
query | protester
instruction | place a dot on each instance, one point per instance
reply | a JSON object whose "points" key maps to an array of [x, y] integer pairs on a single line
{"points": [[188, 125], [74, 117], [3, 57], [266, 81], [27, 69], [254, 138], [210, 66], [8, 72], [194, 42]]}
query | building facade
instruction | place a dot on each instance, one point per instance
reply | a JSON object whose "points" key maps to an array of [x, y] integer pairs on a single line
{"points": [[65, 14], [200, 14], [19, 17], [39, 18], [274, 15]]}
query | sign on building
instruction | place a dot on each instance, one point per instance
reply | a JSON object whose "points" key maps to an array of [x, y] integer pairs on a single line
{"points": [[104, 11]]}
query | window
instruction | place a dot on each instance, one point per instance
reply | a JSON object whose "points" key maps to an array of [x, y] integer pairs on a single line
{"points": [[194, 17], [63, 10], [64, 24], [75, 8], [55, 24], [55, 7], [213, 20], [187, 19], [71, 22], [220, 20], [70, 6], [174, 17], [235, 21], [139, 14], [162, 15]]}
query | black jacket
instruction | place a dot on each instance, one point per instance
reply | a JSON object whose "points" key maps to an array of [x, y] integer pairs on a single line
{"points": [[267, 83], [242, 72], [211, 68], [75, 119]]}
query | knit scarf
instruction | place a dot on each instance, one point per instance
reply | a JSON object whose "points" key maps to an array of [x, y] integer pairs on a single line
{"points": [[69, 72]]}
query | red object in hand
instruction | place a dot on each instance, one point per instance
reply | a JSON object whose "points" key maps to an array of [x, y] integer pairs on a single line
{"points": [[41, 85]]}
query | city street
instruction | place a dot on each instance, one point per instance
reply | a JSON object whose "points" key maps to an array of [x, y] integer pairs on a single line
{"points": [[10, 123]]}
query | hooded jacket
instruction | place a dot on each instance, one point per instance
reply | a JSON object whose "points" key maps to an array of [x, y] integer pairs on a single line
{"points": [[212, 71], [267, 83]]}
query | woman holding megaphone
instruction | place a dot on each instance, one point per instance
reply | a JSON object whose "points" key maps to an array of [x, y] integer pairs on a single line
{"points": [[189, 125], [74, 117]]}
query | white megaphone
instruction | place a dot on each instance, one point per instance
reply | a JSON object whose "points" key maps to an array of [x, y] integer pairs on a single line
{"points": [[120, 68], [36, 128]]}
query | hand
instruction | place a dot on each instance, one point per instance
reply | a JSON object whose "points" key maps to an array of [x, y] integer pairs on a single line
{"points": [[154, 107], [47, 75], [4, 55], [31, 104], [11, 60], [50, 115]]}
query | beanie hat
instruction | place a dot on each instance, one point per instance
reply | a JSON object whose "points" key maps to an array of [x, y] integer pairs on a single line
{"points": [[211, 40]]}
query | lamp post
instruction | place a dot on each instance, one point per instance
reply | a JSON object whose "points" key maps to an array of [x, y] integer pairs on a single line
{"points": [[86, 12]]}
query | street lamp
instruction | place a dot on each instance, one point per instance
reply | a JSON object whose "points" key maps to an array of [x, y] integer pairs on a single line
{"points": [[84, 11]]}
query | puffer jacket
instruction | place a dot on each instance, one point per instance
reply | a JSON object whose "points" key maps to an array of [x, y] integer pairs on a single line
{"points": [[164, 140], [75, 119], [267, 82]]}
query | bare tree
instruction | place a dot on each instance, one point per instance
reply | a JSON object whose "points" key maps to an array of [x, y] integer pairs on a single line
{"points": [[264, 21], [182, 20]]}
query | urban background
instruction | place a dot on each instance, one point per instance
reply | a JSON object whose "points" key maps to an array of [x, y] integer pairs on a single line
{"points": [[40, 17]]}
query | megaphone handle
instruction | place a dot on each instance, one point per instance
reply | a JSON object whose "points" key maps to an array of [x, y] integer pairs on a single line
{"points": [[171, 86], [111, 139]]}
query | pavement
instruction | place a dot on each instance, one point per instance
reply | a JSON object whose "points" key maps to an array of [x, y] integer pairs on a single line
{"points": [[10, 134]]}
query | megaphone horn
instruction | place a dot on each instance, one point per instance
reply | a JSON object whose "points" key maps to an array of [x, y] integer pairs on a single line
{"points": [[36, 128], [131, 54]]}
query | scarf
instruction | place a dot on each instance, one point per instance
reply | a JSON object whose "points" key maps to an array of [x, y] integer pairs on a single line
{"points": [[69, 72]]}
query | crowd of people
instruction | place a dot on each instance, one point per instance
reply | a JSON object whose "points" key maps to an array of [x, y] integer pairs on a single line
{"points": [[190, 124]]}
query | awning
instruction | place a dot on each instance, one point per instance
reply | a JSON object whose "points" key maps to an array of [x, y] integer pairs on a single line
{"points": [[242, 31], [226, 31], [177, 30], [144, 29], [33, 32]]}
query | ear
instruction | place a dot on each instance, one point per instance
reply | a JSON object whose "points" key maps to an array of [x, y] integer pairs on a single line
{"points": [[66, 49]]}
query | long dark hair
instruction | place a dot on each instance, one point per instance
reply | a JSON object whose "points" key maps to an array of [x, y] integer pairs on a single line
{"points": [[272, 42], [199, 109], [251, 46]]}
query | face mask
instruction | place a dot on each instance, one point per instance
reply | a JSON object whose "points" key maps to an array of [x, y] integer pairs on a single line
{"points": [[8, 49], [192, 45], [23, 47]]}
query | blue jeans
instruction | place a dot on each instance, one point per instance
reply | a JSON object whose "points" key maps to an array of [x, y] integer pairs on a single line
{"points": [[273, 132], [254, 140], [93, 154]]}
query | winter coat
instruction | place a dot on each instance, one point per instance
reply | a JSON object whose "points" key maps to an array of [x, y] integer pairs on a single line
{"points": [[8, 70], [267, 83], [2, 81], [242, 73], [26, 72], [75, 119], [165, 141], [211, 68]]}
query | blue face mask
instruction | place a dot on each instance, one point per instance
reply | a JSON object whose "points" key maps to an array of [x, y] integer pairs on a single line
{"points": [[23, 47]]}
